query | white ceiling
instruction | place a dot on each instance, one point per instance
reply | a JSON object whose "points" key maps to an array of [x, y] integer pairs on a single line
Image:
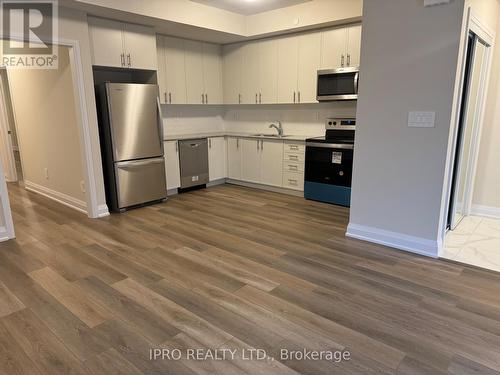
{"points": [[249, 7]]}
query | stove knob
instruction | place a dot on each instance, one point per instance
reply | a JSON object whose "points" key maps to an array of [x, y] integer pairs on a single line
{"points": [[341, 173]]}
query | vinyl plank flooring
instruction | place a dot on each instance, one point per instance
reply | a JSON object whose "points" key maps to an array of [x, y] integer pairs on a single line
{"points": [[236, 268]]}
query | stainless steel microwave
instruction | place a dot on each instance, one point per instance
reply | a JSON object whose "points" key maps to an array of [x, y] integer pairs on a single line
{"points": [[338, 84]]}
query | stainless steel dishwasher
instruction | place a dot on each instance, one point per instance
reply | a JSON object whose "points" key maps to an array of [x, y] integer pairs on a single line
{"points": [[193, 156]]}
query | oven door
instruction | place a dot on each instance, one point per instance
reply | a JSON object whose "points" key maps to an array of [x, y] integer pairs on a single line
{"points": [[328, 163], [338, 84]]}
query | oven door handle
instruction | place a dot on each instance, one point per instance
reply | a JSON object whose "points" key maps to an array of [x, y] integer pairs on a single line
{"points": [[330, 145]]}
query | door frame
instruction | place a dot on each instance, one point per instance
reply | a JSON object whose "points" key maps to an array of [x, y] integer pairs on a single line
{"points": [[10, 172], [472, 24], [94, 210]]}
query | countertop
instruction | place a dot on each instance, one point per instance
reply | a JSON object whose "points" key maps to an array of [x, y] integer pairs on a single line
{"points": [[177, 137]]}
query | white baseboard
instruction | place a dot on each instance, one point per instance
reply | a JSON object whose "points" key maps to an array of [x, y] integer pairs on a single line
{"points": [[396, 240], [3, 234], [102, 210], [486, 211], [274, 189], [220, 181], [62, 198], [172, 192]]}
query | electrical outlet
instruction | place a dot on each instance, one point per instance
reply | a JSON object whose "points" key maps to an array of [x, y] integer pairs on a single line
{"points": [[46, 170], [82, 186]]}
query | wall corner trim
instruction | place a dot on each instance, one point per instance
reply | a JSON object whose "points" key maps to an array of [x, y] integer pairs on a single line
{"points": [[395, 240], [102, 211], [486, 211], [4, 236]]}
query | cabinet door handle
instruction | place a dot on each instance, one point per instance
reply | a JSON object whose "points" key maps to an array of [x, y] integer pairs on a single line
{"points": [[170, 97], [237, 143], [166, 101], [260, 98], [294, 96], [299, 97], [293, 157], [209, 142], [293, 167], [348, 59], [258, 145], [342, 61], [255, 98], [202, 99], [206, 98], [122, 59], [239, 98], [176, 147], [129, 60]]}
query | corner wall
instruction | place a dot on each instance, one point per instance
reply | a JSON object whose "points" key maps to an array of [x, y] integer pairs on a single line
{"points": [[409, 62]]}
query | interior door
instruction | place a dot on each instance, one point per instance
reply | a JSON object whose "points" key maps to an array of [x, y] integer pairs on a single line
{"points": [[212, 73], [309, 63], [288, 55], [106, 39], [175, 71], [134, 122], [140, 46], [194, 72], [463, 169]]}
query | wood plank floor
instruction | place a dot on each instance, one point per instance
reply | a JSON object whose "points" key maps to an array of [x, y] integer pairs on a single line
{"points": [[232, 268]]}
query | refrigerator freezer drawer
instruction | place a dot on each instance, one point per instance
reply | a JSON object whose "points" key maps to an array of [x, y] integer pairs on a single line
{"points": [[141, 181]]}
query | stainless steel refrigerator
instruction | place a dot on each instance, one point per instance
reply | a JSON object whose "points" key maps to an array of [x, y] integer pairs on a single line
{"points": [[131, 144]]}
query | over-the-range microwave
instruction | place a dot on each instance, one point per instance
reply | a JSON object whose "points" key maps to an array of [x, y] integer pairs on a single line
{"points": [[338, 84]]}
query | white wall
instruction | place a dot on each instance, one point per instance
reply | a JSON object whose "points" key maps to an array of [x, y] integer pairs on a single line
{"points": [[308, 120], [409, 59], [46, 119]]}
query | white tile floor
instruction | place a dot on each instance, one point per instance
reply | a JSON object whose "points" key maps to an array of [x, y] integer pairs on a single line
{"points": [[476, 241]]}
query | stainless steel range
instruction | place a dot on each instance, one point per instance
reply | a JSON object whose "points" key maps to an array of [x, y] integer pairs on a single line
{"points": [[328, 166]]}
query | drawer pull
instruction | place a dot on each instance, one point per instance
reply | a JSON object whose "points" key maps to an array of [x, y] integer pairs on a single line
{"points": [[294, 167], [292, 182], [293, 157], [294, 147]]}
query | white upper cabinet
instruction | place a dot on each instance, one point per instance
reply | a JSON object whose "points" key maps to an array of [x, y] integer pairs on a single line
{"points": [[250, 74], [353, 45], [309, 61], [122, 45], [268, 71], [341, 47], [175, 73], [288, 53], [232, 73], [139, 46], [212, 73], [194, 72], [217, 157], [106, 39]]}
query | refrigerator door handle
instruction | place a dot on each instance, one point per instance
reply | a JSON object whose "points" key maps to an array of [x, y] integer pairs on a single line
{"points": [[160, 124], [137, 164]]}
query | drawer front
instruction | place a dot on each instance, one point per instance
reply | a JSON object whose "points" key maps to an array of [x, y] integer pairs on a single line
{"points": [[298, 158], [293, 181], [295, 147], [292, 166]]}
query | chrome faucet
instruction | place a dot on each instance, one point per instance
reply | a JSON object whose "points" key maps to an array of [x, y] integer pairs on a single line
{"points": [[279, 128]]}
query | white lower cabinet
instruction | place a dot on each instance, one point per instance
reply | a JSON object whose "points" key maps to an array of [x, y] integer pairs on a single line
{"points": [[234, 158], [250, 160], [172, 166], [271, 163], [217, 157]]}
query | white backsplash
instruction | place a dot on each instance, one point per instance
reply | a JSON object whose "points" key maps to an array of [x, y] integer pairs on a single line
{"points": [[304, 119]]}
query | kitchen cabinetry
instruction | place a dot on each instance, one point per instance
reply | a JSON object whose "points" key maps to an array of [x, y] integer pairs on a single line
{"points": [[293, 165], [341, 47], [298, 62], [262, 161], [171, 70], [232, 68], [250, 73], [203, 64], [234, 157], [172, 166], [122, 45], [217, 157]]}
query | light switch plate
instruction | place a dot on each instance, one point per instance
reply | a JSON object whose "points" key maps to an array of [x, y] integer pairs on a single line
{"points": [[419, 119]]}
